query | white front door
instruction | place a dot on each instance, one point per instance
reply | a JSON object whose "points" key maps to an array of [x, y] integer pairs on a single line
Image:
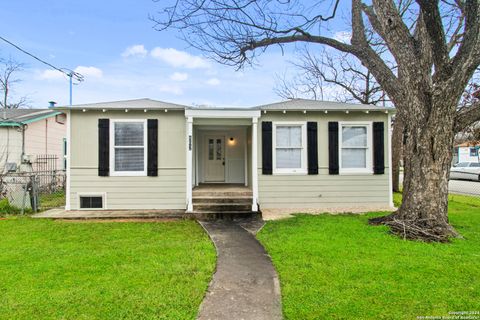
{"points": [[215, 159]]}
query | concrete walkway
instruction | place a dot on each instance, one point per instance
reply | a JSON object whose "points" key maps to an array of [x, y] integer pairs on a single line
{"points": [[245, 284]]}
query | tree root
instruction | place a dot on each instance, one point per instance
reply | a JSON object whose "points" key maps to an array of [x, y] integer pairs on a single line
{"points": [[420, 229]]}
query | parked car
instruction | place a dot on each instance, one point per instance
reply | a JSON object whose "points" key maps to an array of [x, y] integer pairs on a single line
{"points": [[466, 171]]}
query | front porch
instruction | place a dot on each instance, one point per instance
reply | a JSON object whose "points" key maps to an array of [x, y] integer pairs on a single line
{"points": [[221, 149]]}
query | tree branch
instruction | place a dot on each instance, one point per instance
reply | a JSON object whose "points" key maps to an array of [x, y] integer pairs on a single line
{"points": [[467, 116], [433, 25]]}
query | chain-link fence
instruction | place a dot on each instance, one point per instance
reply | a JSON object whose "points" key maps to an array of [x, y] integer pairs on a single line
{"points": [[25, 192]]}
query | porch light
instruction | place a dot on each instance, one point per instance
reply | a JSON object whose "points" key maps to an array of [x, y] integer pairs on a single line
{"points": [[231, 141], [126, 110]]}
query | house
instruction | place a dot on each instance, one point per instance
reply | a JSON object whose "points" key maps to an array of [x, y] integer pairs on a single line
{"points": [[295, 155], [29, 134], [467, 152]]}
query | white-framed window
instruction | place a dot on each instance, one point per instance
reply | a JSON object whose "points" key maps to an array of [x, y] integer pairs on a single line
{"points": [[92, 200], [128, 147], [289, 141], [355, 147]]}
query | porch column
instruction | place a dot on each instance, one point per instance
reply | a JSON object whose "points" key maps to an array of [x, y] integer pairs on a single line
{"points": [[189, 163], [254, 164]]}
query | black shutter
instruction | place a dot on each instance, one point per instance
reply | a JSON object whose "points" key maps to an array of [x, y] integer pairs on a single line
{"points": [[378, 148], [103, 147], [333, 147], [312, 147], [267, 147], [152, 145]]}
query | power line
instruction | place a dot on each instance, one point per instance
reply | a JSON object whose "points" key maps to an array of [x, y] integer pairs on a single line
{"points": [[68, 72]]}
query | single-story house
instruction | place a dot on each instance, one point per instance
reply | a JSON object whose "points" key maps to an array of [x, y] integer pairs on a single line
{"points": [[467, 152], [293, 155], [27, 134]]}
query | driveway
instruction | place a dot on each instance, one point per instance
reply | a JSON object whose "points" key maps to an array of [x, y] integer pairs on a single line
{"points": [[245, 284]]}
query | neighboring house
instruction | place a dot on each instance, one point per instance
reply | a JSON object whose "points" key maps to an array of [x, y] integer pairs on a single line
{"points": [[467, 152], [291, 156], [26, 134]]}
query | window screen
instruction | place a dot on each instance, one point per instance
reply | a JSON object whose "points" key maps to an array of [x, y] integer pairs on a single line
{"points": [[354, 147], [288, 146], [129, 146]]}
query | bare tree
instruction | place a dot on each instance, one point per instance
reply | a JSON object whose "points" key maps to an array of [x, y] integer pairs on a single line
{"points": [[348, 79], [435, 44], [9, 68]]}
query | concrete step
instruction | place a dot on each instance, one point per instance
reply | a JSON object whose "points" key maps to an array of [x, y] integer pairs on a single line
{"points": [[204, 199], [223, 207], [225, 194], [231, 215]]}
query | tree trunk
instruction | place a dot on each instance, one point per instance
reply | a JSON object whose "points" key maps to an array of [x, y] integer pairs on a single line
{"points": [[427, 159], [397, 150]]}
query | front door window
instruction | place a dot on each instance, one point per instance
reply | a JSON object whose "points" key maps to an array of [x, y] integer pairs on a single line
{"points": [[215, 163]]}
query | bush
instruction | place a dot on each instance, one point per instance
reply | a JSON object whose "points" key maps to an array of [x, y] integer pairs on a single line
{"points": [[6, 208]]}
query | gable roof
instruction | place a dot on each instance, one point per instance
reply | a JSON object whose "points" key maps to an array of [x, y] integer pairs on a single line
{"points": [[318, 105], [18, 117], [144, 103]]}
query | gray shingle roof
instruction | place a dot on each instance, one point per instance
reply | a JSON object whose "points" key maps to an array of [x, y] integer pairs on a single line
{"points": [[127, 104], [305, 104], [293, 104], [23, 116]]}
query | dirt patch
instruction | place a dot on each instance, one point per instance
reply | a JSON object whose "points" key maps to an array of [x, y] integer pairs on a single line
{"points": [[147, 220]]}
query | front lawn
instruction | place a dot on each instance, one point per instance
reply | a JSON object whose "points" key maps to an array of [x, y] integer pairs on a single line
{"points": [[339, 267], [68, 270]]}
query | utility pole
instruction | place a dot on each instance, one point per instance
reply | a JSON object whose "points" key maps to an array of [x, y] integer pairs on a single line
{"points": [[70, 76]]}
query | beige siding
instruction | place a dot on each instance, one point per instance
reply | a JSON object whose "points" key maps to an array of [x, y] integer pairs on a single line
{"points": [[323, 190], [46, 137], [167, 191], [10, 146]]}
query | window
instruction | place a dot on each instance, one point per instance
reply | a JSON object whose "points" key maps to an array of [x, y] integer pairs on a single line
{"points": [[475, 164], [473, 152], [91, 201], [289, 151], [461, 165], [355, 147], [128, 154]]}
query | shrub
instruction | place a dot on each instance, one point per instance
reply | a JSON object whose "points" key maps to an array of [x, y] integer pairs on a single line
{"points": [[7, 208]]}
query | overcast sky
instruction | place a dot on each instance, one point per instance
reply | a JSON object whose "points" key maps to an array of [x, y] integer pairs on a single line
{"points": [[122, 57]]}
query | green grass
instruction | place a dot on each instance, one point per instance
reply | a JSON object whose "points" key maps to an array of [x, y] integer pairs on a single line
{"points": [[65, 270], [6, 208], [339, 267], [56, 199]]}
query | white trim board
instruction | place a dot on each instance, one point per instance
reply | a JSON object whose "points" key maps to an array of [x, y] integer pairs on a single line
{"points": [[225, 114]]}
